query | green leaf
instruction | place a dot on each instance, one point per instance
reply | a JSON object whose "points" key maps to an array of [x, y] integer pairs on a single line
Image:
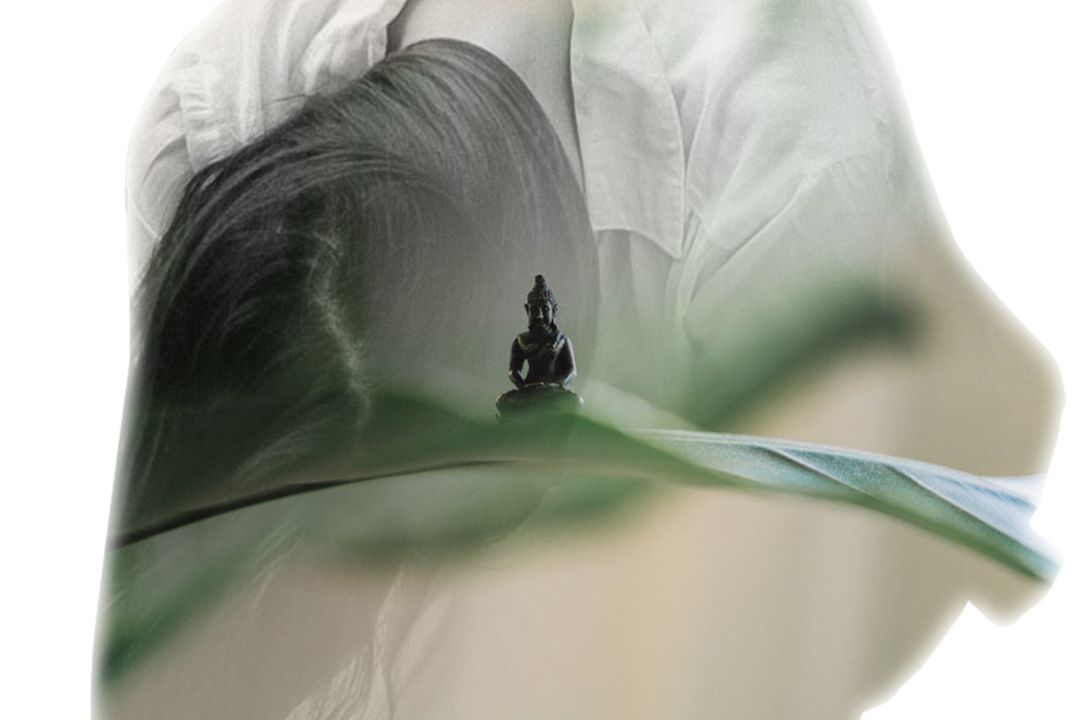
{"points": [[427, 482]]}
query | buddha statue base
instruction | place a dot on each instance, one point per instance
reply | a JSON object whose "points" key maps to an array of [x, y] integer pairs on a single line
{"points": [[536, 400]]}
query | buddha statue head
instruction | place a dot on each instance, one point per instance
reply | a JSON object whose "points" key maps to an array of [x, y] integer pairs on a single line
{"points": [[541, 306]]}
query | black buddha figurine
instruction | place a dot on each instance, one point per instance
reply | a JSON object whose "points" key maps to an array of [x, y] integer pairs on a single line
{"points": [[550, 359]]}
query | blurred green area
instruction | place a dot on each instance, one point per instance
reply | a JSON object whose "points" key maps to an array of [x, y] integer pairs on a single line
{"points": [[434, 485]]}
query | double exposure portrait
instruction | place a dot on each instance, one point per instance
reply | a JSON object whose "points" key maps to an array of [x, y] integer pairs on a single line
{"points": [[551, 359]]}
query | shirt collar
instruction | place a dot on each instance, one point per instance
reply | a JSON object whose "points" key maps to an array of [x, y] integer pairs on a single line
{"points": [[628, 125]]}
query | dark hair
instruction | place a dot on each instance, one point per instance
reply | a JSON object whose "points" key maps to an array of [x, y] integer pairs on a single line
{"points": [[277, 290]]}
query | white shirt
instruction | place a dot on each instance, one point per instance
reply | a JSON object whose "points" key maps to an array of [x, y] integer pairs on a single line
{"points": [[761, 150]]}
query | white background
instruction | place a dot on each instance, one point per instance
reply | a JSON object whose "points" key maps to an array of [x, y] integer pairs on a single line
{"points": [[991, 88]]}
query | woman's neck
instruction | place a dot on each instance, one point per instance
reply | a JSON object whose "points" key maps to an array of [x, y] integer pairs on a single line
{"points": [[531, 36]]}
